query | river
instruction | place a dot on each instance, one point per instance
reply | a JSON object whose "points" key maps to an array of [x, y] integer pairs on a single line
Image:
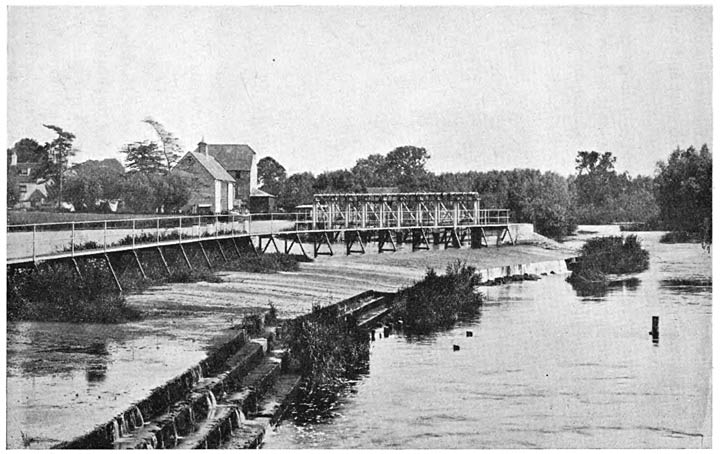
{"points": [[545, 368], [63, 379]]}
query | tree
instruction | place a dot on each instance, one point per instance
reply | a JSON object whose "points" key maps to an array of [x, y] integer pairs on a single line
{"points": [[683, 189], [91, 181], [406, 165], [336, 181], [368, 172], [13, 191], [83, 192], [138, 193], [27, 150], [55, 158], [170, 148], [592, 161], [594, 184], [271, 175], [172, 191], [144, 157], [297, 190]]}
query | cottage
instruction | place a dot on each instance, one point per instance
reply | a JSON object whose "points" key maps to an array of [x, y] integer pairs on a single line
{"points": [[213, 188], [238, 160], [33, 192]]}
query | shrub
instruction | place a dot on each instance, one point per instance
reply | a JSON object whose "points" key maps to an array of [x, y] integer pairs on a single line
{"points": [[60, 295], [328, 351], [437, 301], [609, 255]]}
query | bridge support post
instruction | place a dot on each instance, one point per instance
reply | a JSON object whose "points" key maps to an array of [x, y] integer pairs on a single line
{"points": [[318, 240], [385, 236], [207, 259], [137, 260], [451, 238], [501, 236], [271, 239], [187, 261], [419, 240], [221, 250], [77, 269], [478, 238], [295, 239], [112, 271], [352, 237], [237, 249]]}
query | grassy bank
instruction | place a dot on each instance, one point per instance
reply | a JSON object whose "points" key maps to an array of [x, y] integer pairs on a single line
{"points": [[57, 293], [608, 255], [40, 217], [681, 237]]}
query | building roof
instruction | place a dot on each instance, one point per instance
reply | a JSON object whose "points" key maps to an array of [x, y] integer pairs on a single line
{"points": [[255, 192], [231, 156], [213, 167]]}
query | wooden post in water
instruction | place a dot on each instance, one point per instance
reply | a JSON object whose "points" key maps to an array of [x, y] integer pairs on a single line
{"points": [[655, 332]]}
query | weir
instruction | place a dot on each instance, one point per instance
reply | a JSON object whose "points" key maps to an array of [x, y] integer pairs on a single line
{"points": [[237, 393]]}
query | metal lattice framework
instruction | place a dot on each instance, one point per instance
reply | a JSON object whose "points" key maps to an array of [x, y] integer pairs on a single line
{"points": [[398, 210]]}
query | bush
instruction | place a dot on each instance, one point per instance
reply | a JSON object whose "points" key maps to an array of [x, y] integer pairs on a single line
{"points": [[60, 295], [609, 255], [328, 351], [438, 302], [680, 237]]}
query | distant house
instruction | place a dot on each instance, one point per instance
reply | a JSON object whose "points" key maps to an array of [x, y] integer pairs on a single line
{"points": [[212, 188], [33, 192], [262, 202], [238, 160]]}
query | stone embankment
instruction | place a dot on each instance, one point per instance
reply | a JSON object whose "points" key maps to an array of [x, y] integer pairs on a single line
{"points": [[228, 400], [237, 391]]}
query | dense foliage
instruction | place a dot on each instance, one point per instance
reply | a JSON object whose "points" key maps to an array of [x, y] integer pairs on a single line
{"points": [[328, 350], [683, 189], [438, 301], [609, 255], [57, 294], [602, 196]]}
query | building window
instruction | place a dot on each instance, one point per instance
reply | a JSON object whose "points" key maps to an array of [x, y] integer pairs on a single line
{"points": [[23, 188]]}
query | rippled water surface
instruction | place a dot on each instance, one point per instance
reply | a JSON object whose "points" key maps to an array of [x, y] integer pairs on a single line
{"points": [[545, 368]]}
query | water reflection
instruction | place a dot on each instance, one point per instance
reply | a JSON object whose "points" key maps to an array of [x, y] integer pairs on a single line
{"points": [[56, 350], [600, 290]]}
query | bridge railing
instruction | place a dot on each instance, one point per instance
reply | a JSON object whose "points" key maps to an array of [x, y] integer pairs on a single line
{"points": [[30, 241]]}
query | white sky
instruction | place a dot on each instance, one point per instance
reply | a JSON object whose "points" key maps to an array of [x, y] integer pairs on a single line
{"points": [[319, 87]]}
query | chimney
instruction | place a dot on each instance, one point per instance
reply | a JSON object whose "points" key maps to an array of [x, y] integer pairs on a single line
{"points": [[13, 158], [202, 147]]}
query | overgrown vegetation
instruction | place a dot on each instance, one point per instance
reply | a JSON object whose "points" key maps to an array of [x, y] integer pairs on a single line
{"points": [[57, 293], [48, 294], [329, 351], [609, 255], [438, 301], [683, 188]]}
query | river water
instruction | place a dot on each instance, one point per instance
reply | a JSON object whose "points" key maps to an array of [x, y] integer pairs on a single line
{"points": [[545, 368]]}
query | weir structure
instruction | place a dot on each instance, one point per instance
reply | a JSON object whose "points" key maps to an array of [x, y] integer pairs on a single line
{"points": [[160, 244]]}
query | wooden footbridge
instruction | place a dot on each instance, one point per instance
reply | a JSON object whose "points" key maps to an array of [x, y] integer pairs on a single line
{"points": [[351, 221]]}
